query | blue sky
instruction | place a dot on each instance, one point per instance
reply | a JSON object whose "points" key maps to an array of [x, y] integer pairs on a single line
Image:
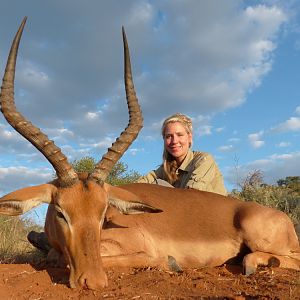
{"points": [[233, 66]]}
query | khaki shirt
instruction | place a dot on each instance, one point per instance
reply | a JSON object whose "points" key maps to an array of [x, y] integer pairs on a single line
{"points": [[198, 171]]}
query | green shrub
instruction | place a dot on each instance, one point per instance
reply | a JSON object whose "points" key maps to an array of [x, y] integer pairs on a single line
{"points": [[85, 164], [119, 174]]}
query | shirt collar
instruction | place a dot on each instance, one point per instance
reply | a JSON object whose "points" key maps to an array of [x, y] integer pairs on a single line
{"points": [[185, 164]]}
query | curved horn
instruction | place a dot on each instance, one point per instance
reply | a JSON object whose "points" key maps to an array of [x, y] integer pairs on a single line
{"points": [[126, 138], [64, 170]]}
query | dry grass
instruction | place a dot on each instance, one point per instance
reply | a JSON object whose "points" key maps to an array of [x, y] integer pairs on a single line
{"points": [[14, 246]]}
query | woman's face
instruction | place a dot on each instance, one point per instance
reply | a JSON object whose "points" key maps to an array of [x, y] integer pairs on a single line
{"points": [[177, 140]]}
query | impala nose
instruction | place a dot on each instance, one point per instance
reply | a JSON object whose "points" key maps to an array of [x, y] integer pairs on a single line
{"points": [[93, 282]]}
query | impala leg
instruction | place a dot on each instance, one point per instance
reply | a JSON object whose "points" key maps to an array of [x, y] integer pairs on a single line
{"points": [[253, 260]]}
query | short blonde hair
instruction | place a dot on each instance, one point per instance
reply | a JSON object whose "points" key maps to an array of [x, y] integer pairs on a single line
{"points": [[181, 118]]}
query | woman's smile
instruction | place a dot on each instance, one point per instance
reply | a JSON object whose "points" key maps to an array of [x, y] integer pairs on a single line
{"points": [[177, 140]]}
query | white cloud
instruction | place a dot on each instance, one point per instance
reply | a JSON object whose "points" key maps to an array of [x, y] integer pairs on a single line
{"points": [[105, 143], [298, 110], [271, 17], [202, 58], [255, 139], [285, 156], [258, 144], [273, 167], [283, 144], [281, 165], [292, 124], [134, 151], [60, 134], [234, 140], [142, 13], [13, 178], [149, 138], [237, 49], [226, 148], [204, 130], [91, 115], [8, 135], [12, 143], [220, 129], [252, 74]]}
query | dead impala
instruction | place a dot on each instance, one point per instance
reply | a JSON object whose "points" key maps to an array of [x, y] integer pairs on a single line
{"points": [[84, 223]]}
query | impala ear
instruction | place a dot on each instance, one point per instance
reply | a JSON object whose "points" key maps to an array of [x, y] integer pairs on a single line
{"points": [[132, 207], [23, 200], [127, 202]]}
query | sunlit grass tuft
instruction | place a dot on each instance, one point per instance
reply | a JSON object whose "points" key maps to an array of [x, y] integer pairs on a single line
{"points": [[14, 246]]}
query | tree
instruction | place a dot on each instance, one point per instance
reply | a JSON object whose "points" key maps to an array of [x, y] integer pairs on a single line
{"points": [[85, 164], [119, 174], [292, 182]]}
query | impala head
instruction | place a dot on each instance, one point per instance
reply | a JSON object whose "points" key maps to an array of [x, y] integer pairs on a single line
{"points": [[77, 202]]}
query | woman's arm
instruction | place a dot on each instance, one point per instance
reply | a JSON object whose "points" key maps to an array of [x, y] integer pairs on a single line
{"points": [[152, 176]]}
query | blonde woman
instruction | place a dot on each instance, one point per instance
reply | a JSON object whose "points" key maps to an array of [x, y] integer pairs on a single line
{"points": [[182, 167]]}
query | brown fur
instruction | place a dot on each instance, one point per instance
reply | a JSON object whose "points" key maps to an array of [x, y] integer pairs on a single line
{"points": [[203, 229], [196, 228]]}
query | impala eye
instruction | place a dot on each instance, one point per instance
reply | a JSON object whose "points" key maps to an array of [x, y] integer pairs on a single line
{"points": [[61, 216]]}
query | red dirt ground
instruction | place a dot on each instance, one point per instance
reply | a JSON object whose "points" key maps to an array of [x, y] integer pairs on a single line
{"points": [[24, 281]]}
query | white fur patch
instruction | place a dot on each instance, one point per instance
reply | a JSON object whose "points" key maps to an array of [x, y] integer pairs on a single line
{"points": [[14, 207]]}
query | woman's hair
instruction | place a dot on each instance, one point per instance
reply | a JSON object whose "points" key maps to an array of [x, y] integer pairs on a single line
{"points": [[169, 162]]}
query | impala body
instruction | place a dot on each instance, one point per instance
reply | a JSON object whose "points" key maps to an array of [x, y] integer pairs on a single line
{"points": [[94, 225]]}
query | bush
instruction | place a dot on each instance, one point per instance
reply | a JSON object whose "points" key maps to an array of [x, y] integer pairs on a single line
{"points": [[283, 197], [85, 164], [119, 174]]}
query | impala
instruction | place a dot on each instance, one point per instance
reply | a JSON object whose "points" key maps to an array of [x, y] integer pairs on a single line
{"points": [[93, 224]]}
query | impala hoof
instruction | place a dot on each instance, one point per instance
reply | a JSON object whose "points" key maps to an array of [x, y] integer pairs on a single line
{"points": [[173, 266], [39, 240], [249, 270]]}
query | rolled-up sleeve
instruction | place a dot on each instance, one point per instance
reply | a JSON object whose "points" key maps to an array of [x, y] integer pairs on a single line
{"points": [[148, 178], [151, 176]]}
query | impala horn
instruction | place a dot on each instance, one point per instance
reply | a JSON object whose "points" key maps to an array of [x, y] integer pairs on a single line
{"points": [[118, 148], [58, 160]]}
